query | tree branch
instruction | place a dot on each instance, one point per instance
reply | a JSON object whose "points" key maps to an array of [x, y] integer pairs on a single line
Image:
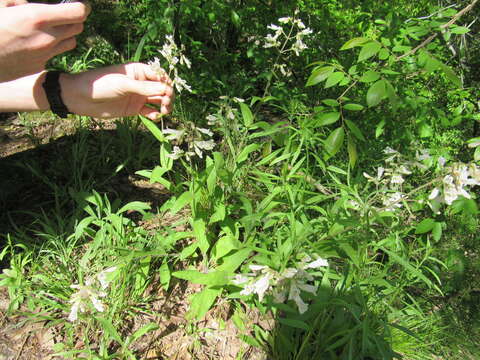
{"points": [[452, 21]]}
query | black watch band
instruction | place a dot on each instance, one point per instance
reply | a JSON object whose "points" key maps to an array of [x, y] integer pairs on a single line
{"points": [[54, 94]]}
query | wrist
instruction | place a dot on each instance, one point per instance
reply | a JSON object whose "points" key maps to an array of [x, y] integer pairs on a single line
{"points": [[68, 91], [53, 92]]}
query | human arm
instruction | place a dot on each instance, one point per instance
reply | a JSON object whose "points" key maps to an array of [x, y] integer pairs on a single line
{"points": [[114, 91], [31, 34]]}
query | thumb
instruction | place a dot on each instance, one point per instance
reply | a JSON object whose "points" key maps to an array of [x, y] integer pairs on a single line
{"points": [[147, 88]]}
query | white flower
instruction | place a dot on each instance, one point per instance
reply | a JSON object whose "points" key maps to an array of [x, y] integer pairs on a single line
{"points": [[397, 179], [285, 285], [284, 20], [173, 134], [176, 154], [200, 145], [316, 264], [103, 277], [205, 131], [393, 201], [274, 27], [300, 24], [212, 120], [441, 161], [423, 155], [80, 299]]}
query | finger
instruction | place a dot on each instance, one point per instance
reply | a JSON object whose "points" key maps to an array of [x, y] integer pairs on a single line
{"points": [[166, 109], [63, 14], [63, 46], [165, 100], [150, 113], [63, 32], [147, 88], [142, 71]]}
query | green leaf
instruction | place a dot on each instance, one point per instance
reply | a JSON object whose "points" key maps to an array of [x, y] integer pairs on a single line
{"points": [[108, 328], [246, 115], [320, 74], [383, 54], [476, 154], [376, 93], [165, 275], [437, 231], [353, 107], [460, 30], [369, 50], [355, 130], [331, 102], [246, 151], [425, 226], [181, 202], [370, 76], [140, 332], [224, 245], [213, 278], [134, 206], [298, 324], [200, 233], [352, 152], [353, 43], [334, 79], [450, 74], [219, 214], [327, 119], [201, 302], [233, 262], [335, 141], [152, 127]]}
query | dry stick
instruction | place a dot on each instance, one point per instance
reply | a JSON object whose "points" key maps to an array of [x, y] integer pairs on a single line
{"points": [[21, 349], [444, 26]]}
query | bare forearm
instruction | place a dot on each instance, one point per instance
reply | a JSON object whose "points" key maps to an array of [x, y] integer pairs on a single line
{"points": [[24, 94]]}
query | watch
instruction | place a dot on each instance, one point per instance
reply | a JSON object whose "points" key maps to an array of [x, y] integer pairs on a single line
{"points": [[53, 92]]}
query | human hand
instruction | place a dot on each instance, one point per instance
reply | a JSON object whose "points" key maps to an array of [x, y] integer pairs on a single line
{"points": [[7, 3], [31, 34], [119, 90]]}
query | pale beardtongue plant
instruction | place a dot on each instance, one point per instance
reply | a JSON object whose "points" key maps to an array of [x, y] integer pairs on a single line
{"points": [[285, 285], [197, 139], [455, 181], [89, 294]]}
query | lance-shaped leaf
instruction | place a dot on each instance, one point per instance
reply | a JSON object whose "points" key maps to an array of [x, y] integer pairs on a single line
{"points": [[335, 141]]}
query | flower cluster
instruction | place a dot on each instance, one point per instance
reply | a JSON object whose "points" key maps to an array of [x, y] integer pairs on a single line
{"points": [[389, 179], [198, 140], [174, 56], [90, 294], [286, 285], [280, 37], [453, 185]]}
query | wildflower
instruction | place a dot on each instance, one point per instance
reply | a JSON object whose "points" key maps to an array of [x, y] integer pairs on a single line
{"points": [[80, 299], [287, 285], [393, 201], [198, 146], [212, 120], [173, 134], [441, 161], [174, 56], [104, 277], [176, 154], [423, 155], [285, 20]]}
